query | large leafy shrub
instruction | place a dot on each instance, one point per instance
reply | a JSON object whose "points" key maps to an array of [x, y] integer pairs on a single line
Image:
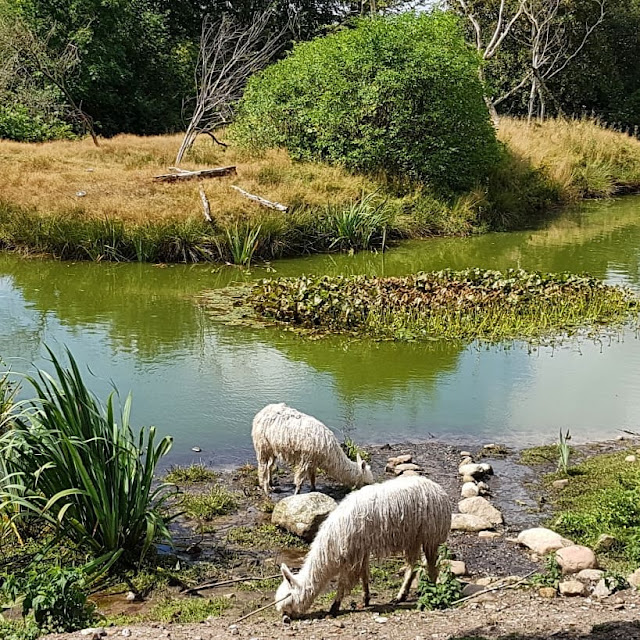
{"points": [[395, 94], [19, 123]]}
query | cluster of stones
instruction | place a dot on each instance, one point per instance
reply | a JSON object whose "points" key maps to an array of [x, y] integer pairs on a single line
{"points": [[477, 514], [579, 564], [403, 466]]}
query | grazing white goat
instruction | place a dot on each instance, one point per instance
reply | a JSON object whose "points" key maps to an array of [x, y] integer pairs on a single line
{"points": [[407, 515], [306, 444]]}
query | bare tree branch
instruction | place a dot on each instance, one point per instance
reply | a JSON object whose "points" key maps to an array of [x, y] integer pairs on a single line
{"points": [[229, 54]]}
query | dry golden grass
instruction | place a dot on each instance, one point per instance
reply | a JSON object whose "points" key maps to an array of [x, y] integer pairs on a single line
{"points": [[117, 179], [581, 157]]}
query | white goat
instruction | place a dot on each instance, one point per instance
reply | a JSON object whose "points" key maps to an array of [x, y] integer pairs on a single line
{"points": [[306, 444], [408, 515]]}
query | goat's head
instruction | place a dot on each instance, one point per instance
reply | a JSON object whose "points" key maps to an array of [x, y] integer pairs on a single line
{"points": [[289, 593], [364, 473]]}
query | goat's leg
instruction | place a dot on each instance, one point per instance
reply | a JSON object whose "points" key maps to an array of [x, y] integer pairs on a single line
{"points": [[409, 575], [432, 563], [364, 576], [298, 478], [263, 474], [271, 465], [343, 588], [312, 478]]}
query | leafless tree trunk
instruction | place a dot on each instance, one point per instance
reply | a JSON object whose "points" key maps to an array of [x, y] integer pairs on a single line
{"points": [[487, 48], [55, 65], [549, 47], [229, 54]]}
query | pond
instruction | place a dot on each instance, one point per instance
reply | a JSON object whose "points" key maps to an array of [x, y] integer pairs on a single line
{"points": [[140, 327]]}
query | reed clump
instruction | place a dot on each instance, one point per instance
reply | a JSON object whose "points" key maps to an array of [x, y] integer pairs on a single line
{"points": [[470, 304]]}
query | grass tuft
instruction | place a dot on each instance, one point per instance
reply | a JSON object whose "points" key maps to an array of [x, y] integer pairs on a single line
{"points": [[190, 475], [216, 501]]}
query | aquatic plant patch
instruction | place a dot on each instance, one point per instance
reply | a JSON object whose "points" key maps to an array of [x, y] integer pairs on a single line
{"points": [[470, 304]]}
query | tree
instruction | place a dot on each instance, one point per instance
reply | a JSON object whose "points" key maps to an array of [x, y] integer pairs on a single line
{"points": [[229, 54], [549, 46]]}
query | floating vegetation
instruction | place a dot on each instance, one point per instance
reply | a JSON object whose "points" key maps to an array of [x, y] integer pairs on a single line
{"points": [[470, 304]]}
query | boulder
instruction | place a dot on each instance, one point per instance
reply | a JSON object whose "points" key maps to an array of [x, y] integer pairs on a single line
{"points": [[469, 490], [475, 470], [405, 466], [469, 522], [542, 541], [468, 478], [601, 590], [572, 588], [480, 507], [560, 484], [465, 454], [590, 575], [604, 543], [575, 558], [631, 458], [303, 514], [458, 568], [634, 579]]}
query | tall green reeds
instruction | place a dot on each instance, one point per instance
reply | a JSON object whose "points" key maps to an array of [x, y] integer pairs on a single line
{"points": [[76, 464]]}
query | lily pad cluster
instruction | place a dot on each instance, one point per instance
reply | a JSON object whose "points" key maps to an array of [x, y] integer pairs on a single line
{"points": [[474, 303]]}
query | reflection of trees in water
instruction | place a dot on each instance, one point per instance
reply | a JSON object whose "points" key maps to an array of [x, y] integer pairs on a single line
{"points": [[141, 308]]}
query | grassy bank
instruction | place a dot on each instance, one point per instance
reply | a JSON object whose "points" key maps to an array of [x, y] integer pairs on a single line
{"points": [[75, 201], [471, 304]]}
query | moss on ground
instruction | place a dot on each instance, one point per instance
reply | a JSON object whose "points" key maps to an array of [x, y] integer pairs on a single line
{"points": [[264, 537]]}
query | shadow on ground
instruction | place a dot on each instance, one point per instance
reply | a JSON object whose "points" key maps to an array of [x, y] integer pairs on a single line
{"points": [[607, 631]]}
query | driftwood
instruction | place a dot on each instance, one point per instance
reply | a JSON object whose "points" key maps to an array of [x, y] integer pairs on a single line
{"points": [[181, 174], [263, 201], [206, 209]]}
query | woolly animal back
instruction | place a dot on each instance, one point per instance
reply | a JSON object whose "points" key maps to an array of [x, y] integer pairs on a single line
{"points": [[382, 519], [294, 436]]}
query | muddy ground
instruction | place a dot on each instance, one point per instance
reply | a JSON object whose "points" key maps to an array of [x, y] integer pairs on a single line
{"points": [[519, 613]]}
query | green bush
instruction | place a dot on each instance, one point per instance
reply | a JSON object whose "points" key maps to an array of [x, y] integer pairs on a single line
{"points": [[398, 95], [18, 123]]}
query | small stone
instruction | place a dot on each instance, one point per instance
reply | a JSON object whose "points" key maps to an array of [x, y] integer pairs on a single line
{"points": [[490, 446], [411, 472], [286, 619], [542, 541], [469, 522], [560, 484], [81, 194], [196, 449], [481, 507], [465, 454], [572, 588], [486, 581], [589, 575], [233, 629], [474, 470], [469, 490], [634, 579], [547, 592], [631, 458], [619, 438], [126, 633], [131, 596], [339, 624], [392, 463], [93, 632], [466, 479], [488, 534], [380, 619], [471, 589], [466, 461], [604, 543], [602, 590], [575, 558], [483, 487], [458, 568], [405, 466]]}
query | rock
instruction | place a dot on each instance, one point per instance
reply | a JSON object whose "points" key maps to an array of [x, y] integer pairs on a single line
{"points": [[488, 534], [467, 478], [93, 632], [572, 588], [480, 507], [475, 470], [469, 522], [560, 484], [486, 581], [405, 466], [233, 629], [411, 472], [131, 596], [604, 543], [458, 568], [634, 579], [602, 590], [575, 558], [469, 490], [483, 487], [466, 461], [471, 589], [630, 459], [126, 633], [392, 463], [465, 454], [303, 514], [542, 541], [547, 592], [196, 449], [620, 438], [380, 619], [589, 575]]}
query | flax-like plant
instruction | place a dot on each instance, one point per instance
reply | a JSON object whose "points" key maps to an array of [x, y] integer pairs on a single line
{"points": [[242, 242], [75, 463], [564, 451]]}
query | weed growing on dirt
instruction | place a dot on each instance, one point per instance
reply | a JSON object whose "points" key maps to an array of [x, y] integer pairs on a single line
{"points": [[551, 575], [353, 450], [265, 536], [191, 474], [443, 593], [216, 501]]}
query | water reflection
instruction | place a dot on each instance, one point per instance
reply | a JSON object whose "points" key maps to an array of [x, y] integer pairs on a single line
{"points": [[140, 327]]}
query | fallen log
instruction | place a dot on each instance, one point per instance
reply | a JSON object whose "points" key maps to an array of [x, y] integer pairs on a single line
{"points": [[182, 174], [262, 201]]}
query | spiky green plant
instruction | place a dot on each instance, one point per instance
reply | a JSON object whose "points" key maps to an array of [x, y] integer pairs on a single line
{"points": [[564, 451], [359, 224], [76, 464], [242, 242]]}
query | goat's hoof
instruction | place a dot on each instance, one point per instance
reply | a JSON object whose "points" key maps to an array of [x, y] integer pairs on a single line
{"points": [[335, 610]]}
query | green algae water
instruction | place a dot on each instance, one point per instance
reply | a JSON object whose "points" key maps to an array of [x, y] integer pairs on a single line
{"points": [[140, 327]]}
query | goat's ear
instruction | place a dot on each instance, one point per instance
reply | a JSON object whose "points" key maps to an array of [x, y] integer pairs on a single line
{"points": [[287, 575], [360, 462]]}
